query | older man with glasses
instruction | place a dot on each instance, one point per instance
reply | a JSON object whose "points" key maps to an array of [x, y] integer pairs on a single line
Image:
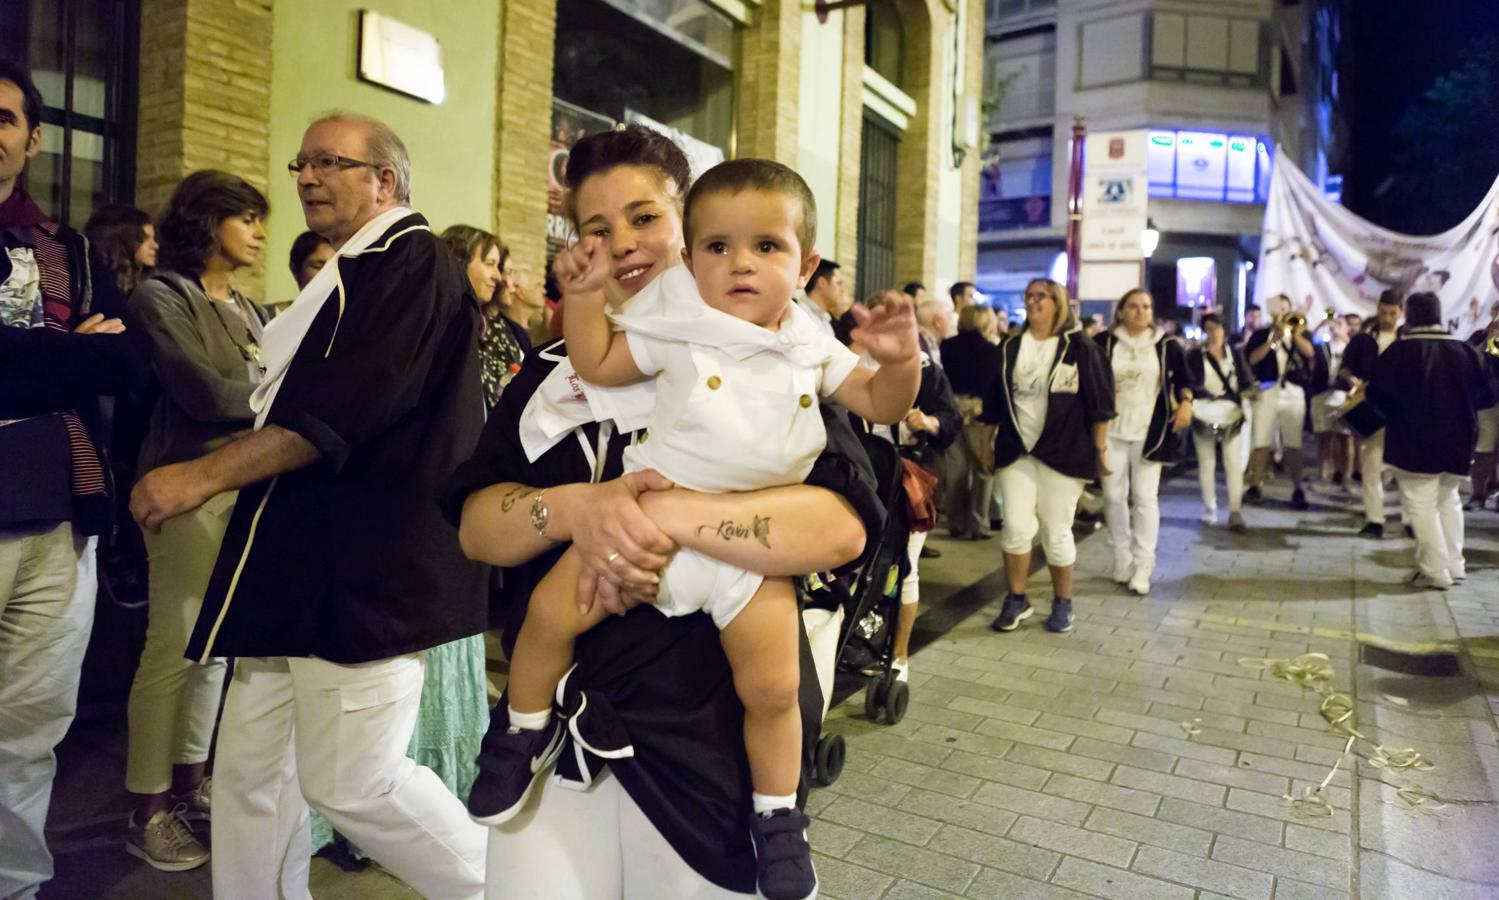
{"points": [[337, 570]]}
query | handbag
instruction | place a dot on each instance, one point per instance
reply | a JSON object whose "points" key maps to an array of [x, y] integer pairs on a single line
{"points": [[978, 437], [921, 491]]}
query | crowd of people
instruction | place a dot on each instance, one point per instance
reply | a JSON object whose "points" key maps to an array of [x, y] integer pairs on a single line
{"points": [[339, 495]]}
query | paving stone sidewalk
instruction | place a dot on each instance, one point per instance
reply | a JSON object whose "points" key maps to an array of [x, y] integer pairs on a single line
{"points": [[1139, 757]]}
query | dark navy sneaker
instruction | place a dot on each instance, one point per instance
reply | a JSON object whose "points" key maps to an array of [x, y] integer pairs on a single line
{"points": [[1372, 530], [783, 859], [1060, 619], [1253, 495], [1016, 610], [1298, 500], [511, 761]]}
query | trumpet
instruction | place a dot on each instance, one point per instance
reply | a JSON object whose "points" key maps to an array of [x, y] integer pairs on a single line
{"points": [[1288, 325], [1491, 346]]}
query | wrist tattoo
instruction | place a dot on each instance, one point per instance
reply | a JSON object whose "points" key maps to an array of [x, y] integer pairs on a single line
{"points": [[514, 496], [729, 530]]}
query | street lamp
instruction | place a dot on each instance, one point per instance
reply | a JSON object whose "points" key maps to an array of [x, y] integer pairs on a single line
{"points": [[1150, 238]]}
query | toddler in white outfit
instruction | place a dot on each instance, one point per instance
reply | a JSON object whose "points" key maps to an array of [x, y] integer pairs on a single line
{"points": [[737, 370]]}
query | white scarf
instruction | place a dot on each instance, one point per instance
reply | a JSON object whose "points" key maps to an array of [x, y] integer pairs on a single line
{"points": [[284, 335]]}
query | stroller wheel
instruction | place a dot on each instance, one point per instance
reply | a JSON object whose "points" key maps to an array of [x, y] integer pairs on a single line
{"points": [[874, 698], [828, 763], [896, 698]]}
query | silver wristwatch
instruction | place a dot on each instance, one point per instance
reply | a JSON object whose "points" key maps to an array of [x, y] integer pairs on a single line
{"points": [[540, 515]]}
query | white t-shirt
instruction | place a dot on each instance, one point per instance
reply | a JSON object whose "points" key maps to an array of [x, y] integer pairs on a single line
{"points": [[1137, 381], [1215, 386], [1031, 386]]}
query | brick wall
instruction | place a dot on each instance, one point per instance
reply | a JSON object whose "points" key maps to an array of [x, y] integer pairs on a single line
{"points": [[850, 142], [523, 125], [973, 69], [769, 82], [205, 97], [921, 147]]}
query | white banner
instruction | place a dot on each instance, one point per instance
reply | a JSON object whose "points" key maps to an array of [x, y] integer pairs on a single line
{"points": [[1322, 255]]}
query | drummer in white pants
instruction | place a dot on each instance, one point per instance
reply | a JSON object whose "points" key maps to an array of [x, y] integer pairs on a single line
{"points": [[1223, 378], [1364, 349]]}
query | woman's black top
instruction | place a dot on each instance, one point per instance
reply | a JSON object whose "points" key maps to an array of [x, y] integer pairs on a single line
{"points": [[661, 685], [1081, 396], [970, 362], [1162, 445]]}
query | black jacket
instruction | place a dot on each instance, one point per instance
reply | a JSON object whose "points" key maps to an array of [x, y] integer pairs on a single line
{"points": [[1086, 399], [971, 363], [1298, 368], [350, 559], [935, 398], [46, 372], [1430, 385], [1360, 357], [661, 685], [1239, 383], [1162, 445], [1324, 373]]}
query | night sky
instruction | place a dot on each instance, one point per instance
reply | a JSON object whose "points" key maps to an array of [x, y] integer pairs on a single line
{"points": [[1398, 48]]}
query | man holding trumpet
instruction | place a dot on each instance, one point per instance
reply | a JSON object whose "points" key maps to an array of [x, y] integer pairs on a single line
{"points": [[1364, 350], [1280, 357], [1487, 342]]}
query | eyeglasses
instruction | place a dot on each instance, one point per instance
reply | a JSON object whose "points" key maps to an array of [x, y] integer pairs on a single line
{"points": [[325, 163]]}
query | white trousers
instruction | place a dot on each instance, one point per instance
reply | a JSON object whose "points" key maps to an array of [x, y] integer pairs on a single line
{"points": [[173, 700], [1038, 497], [48, 583], [1132, 505], [1436, 516], [910, 587], [1279, 410], [1371, 467], [588, 845], [336, 736], [1233, 468]]}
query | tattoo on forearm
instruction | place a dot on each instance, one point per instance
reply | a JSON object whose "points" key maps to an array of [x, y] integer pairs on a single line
{"points": [[729, 530], [514, 496]]}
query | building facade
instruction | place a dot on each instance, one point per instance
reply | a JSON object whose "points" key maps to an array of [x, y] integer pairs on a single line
{"points": [[876, 104], [1221, 86]]}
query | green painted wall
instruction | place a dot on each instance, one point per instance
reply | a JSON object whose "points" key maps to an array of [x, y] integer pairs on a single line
{"points": [[451, 144]]}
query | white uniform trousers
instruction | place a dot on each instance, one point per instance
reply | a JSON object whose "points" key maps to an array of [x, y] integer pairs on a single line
{"points": [[582, 845], [1279, 411], [1132, 505], [1038, 497], [1233, 467], [1435, 510], [48, 584], [336, 735], [1371, 469]]}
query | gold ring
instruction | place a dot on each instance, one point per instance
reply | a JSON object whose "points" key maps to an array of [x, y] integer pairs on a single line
{"points": [[612, 557]]}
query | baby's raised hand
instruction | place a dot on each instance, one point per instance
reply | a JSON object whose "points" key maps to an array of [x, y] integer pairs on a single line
{"points": [[582, 268], [887, 332]]}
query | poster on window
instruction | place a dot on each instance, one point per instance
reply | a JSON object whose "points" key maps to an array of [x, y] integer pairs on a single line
{"points": [[1324, 257], [569, 124]]}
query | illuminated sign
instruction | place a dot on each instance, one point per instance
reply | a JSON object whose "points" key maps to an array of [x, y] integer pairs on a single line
{"points": [[1204, 165]]}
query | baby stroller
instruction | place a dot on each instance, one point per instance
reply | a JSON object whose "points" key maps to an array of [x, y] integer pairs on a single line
{"points": [[850, 621]]}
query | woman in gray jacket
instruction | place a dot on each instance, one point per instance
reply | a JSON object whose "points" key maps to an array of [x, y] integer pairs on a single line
{"points": [[205, 346]]}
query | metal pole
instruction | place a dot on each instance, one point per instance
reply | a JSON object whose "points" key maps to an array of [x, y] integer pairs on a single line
{"points": [[1075, 204]]}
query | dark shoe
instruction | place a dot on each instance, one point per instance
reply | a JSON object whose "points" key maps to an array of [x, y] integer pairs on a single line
{"points": [[1016, 610], [511, 761], [1372, 530], [1298, 500], [1236, 523], [1253, 495], [1410, 532], [996, 524], [1060, 620], [930, 552], [984, 536], [783, 859], [1337, 479]]}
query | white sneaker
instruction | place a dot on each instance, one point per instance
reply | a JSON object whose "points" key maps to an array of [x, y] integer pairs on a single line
{"points": [[1209, 516], [1122, 571], [1140, 584], [1458, 573], [902, 669]]}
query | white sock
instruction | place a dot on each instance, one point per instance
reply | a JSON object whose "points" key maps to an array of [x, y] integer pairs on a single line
{"points": [[530, 721], [765, 803]]}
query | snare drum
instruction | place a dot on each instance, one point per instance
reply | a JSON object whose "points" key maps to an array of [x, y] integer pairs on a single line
{"points": [[1360, 417], [1219, 419]]}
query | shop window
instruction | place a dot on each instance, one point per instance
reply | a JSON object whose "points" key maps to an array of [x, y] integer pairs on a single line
{"points": [[83, 58], [877, 199], [884, 40], [668, 60], [1197, 165], [1015, 189], [1207, 49]]}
